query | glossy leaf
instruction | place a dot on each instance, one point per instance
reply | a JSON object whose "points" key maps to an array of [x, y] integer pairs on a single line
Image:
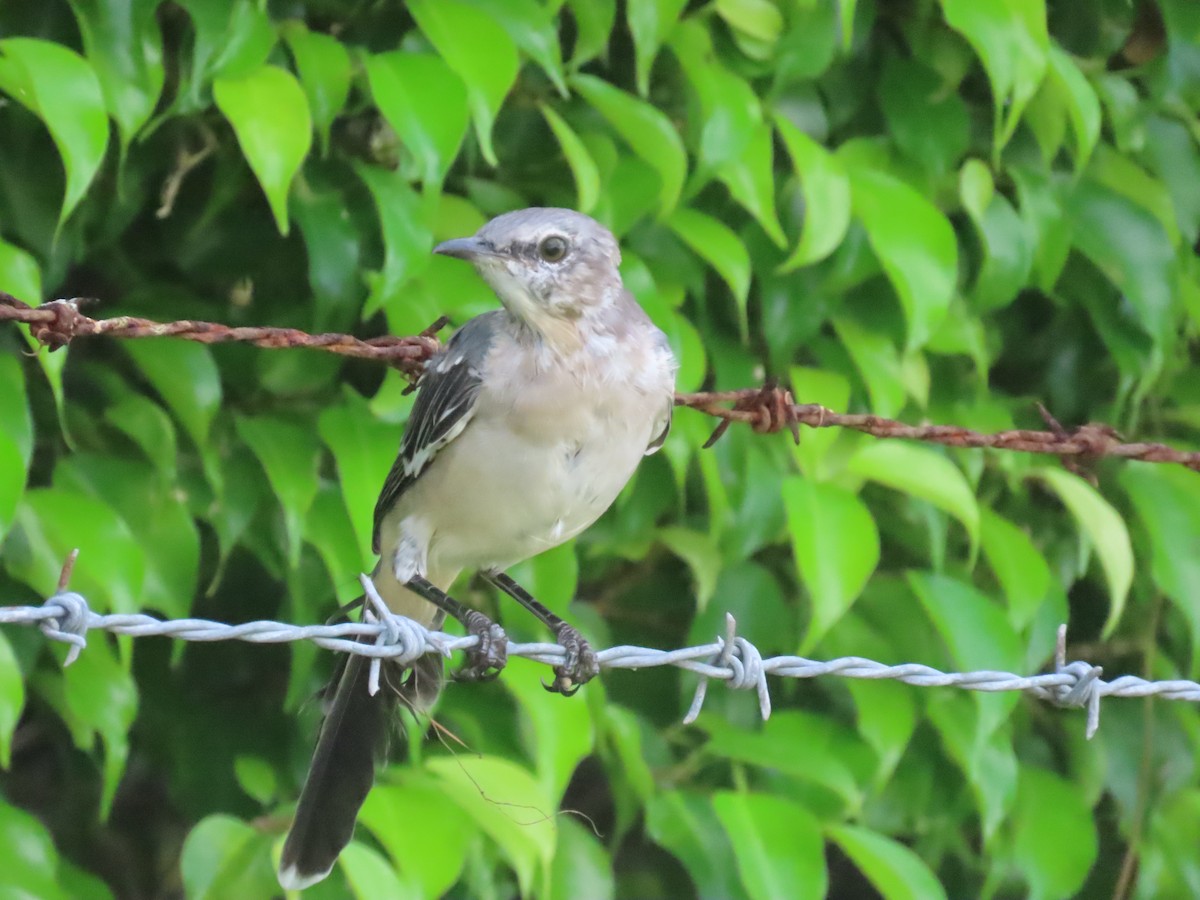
{"points": [[650, 23], [826, 190], [914, 243], [12, 699], [1101, 527], [323, 65], [122, 42], [289, 457], [269, 113], [370, 875], [836, 545], [479, 51], [1167, 501], [432, 855], [920, 472], [505, 801], [1011, 40], [717, 245], [62, 90], [895, 871], [583, 167], [645, 129], [225, 857], [193, 399], [431, 125], [531, 26], [1047, 808], [777, 845]]}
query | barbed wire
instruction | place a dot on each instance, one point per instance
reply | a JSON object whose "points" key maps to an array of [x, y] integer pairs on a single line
{"points": [[383, 635], [767, 409]]}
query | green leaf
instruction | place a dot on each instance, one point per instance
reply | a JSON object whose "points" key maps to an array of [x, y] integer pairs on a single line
{"points": [[289, 455], [479, 51], [702, 555], [224, 857], [1083, 106], [1048, 808], [432, 855], [52, 523], [686, 824], [720, 247], [27, 856], [836, 545], [431, 124], [583, 167], [582, 869], [878, 362], [1022, 571], [122, 42], [803, 745], [594, 20], [1130, 246], [920, 472], [256, 777], [100, 698], [650, 23], [1101, 526], [323, 64], [730, 111], [777, 844], [12, 699], [532, 28], [895, 870], [647, 130], [407, 238], [269, 113], [971, 625], [370, 875], [1012, 42], [825, 187], [21, 277], [559, 735], [60, 88], [751, 182], [12, 481], [186, 377], [508, 804], [1167, 502], [914, 243], [149, 426]]}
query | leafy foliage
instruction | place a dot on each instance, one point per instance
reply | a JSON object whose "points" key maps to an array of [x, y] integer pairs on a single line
{"points": [[936, 210]]}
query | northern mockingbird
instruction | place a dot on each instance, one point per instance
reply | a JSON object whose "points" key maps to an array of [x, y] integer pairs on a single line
{"points": [[526, 427]]}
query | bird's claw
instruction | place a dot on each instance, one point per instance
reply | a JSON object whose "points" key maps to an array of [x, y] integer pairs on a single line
{"points": [[487, 658], [580, 666]]}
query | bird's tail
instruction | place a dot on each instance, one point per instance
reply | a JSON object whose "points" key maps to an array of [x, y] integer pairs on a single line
{"points": [[353, 738]]}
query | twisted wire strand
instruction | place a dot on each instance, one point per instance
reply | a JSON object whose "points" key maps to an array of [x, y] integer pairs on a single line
{"points": [[66, 617]]}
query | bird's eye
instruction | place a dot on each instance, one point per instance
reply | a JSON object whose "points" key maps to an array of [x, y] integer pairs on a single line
{"points": [[553, 248]]}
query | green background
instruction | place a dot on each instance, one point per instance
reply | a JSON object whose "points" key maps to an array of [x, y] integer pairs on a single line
{"points": [[937, 211]]}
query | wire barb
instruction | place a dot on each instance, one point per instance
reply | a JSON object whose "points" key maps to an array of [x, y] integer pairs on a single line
{"points": [[66, 617]]}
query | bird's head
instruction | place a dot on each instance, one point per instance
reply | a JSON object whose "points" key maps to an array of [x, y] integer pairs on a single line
{"points": [[548, 266]]}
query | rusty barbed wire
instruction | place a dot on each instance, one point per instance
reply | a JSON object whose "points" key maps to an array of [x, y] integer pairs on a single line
{"points": [[767, 409]]}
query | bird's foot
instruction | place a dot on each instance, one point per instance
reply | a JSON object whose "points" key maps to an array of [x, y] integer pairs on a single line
{"points": [[580, 666], [490, 655]]}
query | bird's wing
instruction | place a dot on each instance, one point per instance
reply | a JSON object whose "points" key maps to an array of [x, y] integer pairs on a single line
{"points": [[446, 395]]}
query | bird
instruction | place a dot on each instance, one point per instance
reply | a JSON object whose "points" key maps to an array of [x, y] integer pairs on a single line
{"points": [[525, 428]]}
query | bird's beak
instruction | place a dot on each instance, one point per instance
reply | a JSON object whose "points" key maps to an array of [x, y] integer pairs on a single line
{"points": [[468, 248]]}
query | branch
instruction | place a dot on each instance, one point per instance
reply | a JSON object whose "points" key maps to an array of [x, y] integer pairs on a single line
{"points": [[768, 409]]}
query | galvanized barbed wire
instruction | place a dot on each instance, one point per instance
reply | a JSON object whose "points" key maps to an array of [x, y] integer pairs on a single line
{"points": [[767, 409], [66, 617]]}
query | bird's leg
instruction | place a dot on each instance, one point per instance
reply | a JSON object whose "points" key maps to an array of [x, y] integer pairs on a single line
{"points": [[490, 655], [581, 665]]}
